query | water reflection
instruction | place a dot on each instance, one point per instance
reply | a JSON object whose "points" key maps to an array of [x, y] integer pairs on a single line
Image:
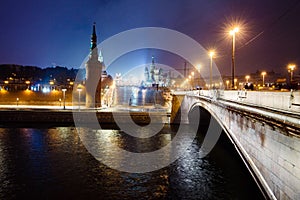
{"points": [[136, 96], [53, 164]]}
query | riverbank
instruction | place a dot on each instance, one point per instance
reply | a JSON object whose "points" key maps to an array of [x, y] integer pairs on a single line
{"points": [[29, 97], [46, 116]]}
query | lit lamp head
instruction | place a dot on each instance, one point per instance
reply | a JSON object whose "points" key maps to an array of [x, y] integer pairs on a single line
{"points": [[291, 67], [247, 77], [79, 88], [233, 31], [199, 67]]}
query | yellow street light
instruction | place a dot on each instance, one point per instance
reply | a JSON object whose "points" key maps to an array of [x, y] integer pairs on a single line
{"points": [[247, 78], [233, 33], [263, 75], [199, 67], [291, 68], [79, 89], [64, 97], [211, 54], [193, 79], [227, 83], [235, 82]]}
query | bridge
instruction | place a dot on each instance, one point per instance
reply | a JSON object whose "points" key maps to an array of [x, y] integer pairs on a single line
{"points": [[264, 127]]}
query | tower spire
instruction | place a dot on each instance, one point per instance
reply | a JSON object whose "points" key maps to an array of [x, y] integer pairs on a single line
{"points": [[94, 37]]}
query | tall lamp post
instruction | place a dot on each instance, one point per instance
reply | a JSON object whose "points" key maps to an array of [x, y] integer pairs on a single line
{"points": [[233, 32], [247, 78], [235, 83], [187, 83], [211, 54], [291, 69], [263, 75], [193, 78], [64, 97], [227, 82], [199, 82], [79, 90]]}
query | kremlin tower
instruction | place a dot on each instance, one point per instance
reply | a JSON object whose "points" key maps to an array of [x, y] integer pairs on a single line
{"points": [[93, 74]]}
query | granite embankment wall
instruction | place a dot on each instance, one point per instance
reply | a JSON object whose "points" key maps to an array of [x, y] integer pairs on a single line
{"points": [[44, 117], [28, 97]]}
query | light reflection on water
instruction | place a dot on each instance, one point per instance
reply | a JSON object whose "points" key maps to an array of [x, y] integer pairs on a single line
{"points": [[52, 163], [136, 96]]}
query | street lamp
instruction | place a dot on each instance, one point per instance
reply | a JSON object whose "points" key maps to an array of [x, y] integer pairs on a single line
{"points": [[199, 66], [193, 79], [233, 32], [187, 83], [227, 83], [64, 96], [190, 81], [291, 69], [263, 75], [79, 90], [27, 83], [211, 54], [235, 82], [247, 78]]}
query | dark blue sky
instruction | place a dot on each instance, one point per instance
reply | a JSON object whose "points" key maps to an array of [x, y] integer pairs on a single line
{"points": [[46, 33]]}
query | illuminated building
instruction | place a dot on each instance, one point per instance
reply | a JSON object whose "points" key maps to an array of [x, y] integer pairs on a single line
{"points": [[93, 74]]}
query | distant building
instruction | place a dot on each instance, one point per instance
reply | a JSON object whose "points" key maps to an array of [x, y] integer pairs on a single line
{"points": [[155, 76], [97, 79]]}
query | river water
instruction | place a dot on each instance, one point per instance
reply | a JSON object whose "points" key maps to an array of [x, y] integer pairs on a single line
{"points": [[53, 163]]}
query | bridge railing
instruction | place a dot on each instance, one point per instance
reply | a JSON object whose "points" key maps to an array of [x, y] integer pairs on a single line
{"points": [[288, 101], [278, 100]]}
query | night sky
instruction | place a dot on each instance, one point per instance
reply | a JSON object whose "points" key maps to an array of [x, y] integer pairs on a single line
{"points": [[46, 33]]}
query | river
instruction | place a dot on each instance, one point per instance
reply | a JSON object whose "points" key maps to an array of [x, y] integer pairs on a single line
{"points": [[52, 163]]}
